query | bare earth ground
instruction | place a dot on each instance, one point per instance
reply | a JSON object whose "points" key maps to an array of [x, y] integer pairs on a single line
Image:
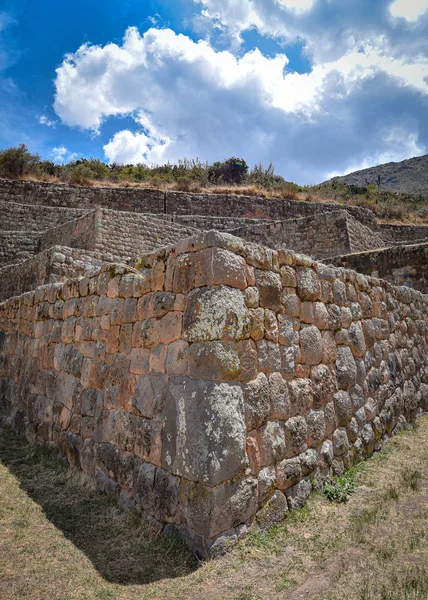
{"points": [[60, 539]]}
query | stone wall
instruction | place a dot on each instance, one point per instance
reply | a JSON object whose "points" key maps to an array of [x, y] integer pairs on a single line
{"points": [[205, 223], [319, 236], [180, 203], [33, 217], [78, 233], [220, 385], [50, 266], [400, 265], [16, 246], [400, 234], [125, 234]]}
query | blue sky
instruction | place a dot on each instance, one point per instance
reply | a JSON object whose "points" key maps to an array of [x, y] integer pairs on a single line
{"points": [[318, 87]]}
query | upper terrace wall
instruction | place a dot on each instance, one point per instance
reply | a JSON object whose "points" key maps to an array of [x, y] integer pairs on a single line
{"points": [[33, 217], [205, 223], [399, 234], [221, 385], [320, 236], [181, 203], [124, 234], [400, 265], [78, 233]]}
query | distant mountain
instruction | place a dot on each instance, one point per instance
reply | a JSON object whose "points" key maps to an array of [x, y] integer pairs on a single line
{"points": [[408, 176]]}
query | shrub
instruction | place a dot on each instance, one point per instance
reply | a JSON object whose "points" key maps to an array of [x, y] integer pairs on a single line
{"points": [[17, 161], [233, 170], [82, 175]]}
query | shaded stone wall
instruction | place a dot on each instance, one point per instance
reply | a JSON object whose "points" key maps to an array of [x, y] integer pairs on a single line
{"points": [[33, 217], [180, 203], [16, 246], [50, 266], [319, 236], [220, 385], [399, 234], [78, 233], [400, 265]]}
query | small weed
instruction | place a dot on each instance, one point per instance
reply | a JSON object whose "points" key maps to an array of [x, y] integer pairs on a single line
{"points": [[360, 519], [416, 538], [339, 488], [411, 479], [391, 493], [386, 552], [284, 584]]}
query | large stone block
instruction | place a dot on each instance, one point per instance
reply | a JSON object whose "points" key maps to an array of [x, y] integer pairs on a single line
{"points": [[210, 511], [204, 436], [216, 313]]}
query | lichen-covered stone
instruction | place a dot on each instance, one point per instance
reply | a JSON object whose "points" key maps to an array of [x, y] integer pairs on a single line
{"points": [[204, 432], [311, 345], [215, 313], [346, 368]]}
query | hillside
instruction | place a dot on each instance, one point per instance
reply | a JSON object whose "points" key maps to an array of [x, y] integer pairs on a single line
{"points": [[408, 176]]}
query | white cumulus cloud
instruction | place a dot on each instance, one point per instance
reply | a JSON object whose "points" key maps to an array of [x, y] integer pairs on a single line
{"points": [[189, 99], [409, 9]]}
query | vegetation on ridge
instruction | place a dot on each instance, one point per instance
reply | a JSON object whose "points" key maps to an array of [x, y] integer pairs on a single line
{"points": [[229, 176]]}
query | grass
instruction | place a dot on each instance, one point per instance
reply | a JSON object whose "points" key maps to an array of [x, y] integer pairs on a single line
{"points": [[60, 539]]}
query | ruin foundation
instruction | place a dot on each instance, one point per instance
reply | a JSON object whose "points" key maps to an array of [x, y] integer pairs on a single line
{"points": [[218, 384]]}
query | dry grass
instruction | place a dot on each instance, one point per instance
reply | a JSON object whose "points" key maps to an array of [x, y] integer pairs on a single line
{"points": [[62, 540]]}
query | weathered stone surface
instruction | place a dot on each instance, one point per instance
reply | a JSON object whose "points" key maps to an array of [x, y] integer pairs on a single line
{"points": [[301, 396], [279, 397], [270, 289], [298, 494], [323, 385], [204, 431], [271, 443], [346, 368], [256, 399], [316, 427], [343, 407], [296, 433], [214, 360], [269, 355], [209, 511], [308, 284], [288, 472], [273, 512], [311, 345], [216, 266], [215, 313]]}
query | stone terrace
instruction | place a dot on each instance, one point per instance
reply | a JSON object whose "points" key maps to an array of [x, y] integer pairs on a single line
{"points": [[212, 383]]}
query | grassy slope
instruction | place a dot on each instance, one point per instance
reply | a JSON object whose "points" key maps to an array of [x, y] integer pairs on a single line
{"points": [[62, 540]]}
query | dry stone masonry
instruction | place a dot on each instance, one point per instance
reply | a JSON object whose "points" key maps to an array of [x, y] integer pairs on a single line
{"points": [[210, 384]]}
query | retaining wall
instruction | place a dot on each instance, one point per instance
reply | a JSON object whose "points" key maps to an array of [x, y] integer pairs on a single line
{"points": [[16, 246], [180, 203], [220, 385], [400, 265], [125, 234], [50, 266], [400, 234], [33, 217], [320, 236]]}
